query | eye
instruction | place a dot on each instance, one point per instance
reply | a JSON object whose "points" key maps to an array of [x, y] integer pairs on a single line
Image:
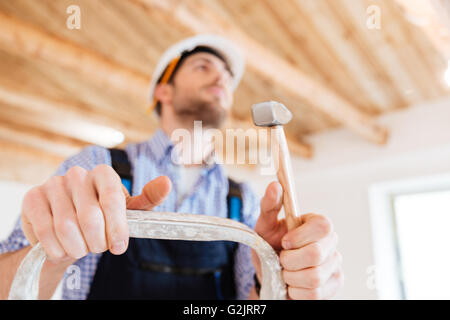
{"points": [[202, 67]]}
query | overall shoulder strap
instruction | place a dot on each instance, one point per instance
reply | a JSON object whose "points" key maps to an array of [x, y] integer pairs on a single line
{"points": [[234, 200], [121, 164]]}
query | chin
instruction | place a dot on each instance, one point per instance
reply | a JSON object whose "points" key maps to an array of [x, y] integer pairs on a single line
{"points": [[214, 117], [214, 105]]}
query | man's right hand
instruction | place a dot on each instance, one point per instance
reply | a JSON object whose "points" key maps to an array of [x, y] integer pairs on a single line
{"points": [[85, 211]]}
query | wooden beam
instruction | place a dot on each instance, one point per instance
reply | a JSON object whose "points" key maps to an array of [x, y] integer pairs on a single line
{"points": [[380, 45], [26, 164], [24, 39], [27, 40], [7, 146], [319, 53], [340, 25], [39, 140], [301, 149], [68, 119], [434, 18], [199, 19], [57, 127]]}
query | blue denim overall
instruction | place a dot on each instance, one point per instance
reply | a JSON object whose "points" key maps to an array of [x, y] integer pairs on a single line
{"points": [[168, 269]]}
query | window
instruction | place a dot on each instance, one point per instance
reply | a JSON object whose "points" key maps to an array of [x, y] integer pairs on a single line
{"points": [[411, 237], [422, 222]]}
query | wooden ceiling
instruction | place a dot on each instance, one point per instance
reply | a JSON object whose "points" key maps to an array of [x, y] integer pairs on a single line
{"points": [[62, 89]]}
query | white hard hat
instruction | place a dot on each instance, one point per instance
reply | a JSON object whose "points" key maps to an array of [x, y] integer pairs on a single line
{"points": [[228, 50]]}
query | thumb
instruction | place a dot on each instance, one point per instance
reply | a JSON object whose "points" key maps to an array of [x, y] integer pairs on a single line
{"points": [[268, 226], [153, 193]]}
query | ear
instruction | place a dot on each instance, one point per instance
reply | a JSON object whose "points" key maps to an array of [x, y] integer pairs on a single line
{"points": [[163, 93]]}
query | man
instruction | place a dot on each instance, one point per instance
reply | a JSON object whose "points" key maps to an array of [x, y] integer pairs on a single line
{"points": [[79, 218]]}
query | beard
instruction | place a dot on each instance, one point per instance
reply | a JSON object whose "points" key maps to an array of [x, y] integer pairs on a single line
{"points": [[193, 109]]}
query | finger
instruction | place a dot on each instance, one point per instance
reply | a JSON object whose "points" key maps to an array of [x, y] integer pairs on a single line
{"points": [[327, 291], [271, 204], [126, 193], [268, 226], [314, 277], [113, 204], [311, 255], [27, 229], [65, 220], [153, 193], [36, 213], [304, 294], [314, 227], [334, 284], [88, 211]]}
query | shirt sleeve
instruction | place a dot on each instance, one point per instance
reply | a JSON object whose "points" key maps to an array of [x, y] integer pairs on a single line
{"points": [[88, 158], [243, 266]]}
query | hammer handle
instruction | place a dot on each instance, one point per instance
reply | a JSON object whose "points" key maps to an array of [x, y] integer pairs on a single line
{"points": [[285, 176]]}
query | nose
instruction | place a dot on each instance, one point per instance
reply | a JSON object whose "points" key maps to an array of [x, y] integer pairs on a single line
{"points": [[222, 76]]}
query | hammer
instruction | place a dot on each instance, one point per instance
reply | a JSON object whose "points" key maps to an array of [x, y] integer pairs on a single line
{"points": [[274, 115]]}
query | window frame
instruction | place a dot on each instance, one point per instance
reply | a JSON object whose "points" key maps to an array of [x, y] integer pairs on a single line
{"points": [[388, 275]]}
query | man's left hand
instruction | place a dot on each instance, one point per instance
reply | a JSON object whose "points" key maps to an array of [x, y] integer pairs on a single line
{"points": [[312, 266]]}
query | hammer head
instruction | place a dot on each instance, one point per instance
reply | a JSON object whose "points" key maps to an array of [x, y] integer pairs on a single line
{"points": [[270, 113]]}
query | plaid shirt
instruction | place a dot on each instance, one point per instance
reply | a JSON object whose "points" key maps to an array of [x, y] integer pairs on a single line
{"points": [[149, 160]]}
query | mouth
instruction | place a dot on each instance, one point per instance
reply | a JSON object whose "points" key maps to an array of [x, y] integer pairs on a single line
{"points": [[216, 90]]}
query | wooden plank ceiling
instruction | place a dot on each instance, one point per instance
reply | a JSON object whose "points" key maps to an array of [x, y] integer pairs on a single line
{"points": [[62, 89]]}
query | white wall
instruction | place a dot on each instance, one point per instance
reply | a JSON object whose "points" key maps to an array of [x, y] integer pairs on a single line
{"points": [[336, 181], [11, 194]]}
